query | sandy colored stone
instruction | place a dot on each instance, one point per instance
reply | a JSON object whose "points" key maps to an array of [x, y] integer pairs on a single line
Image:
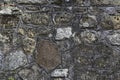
{"points": [[48, 55]]}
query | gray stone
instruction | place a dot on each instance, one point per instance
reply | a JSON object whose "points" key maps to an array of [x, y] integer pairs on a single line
{"points": [[32, 1], [9, 10], [59, 73], [29, 45], [15, 60], [88, 36], [63, 33], [3, 39], [30, 74], [114, 38]]}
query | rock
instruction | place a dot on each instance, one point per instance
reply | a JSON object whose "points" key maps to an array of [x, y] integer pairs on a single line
{"points": [[63, 33], [30, 74], [15, 60], [59, 73], [1, 60], [110, 10], [3, 39], [32, 1], [116, 21], [48, 55], [114, 38], [88, 21], [105, 2], [8, 21], [88, 36], [9, 10], [38, 19], [29, 45], [62, 18]]}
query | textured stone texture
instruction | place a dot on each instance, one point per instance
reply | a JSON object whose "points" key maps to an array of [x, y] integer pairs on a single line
{"points": [[48, 55], [59, 39]]}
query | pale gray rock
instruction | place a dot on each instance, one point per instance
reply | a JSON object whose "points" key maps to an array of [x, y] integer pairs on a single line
{"points": [[32, 1], [63, 33], [59, 73], [114, 38], [15, 59]]}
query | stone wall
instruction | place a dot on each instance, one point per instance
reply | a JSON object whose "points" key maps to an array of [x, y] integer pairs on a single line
{"points": [[59, 40]]}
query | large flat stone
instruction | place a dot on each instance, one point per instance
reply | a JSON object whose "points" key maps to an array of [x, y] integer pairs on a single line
{"points": [[48, 55]]}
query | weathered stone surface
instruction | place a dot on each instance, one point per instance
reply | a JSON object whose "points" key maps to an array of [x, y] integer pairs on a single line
{"points": [[88, 36], [88, 21], [33, 1], [114, 38], [38, 19], [88, 59], [63, 33], [15, 60], [30, 74], [59, 73], [105, 2], [9, 10], [29, 45], [116, 21], [62, 18], [8, 21], [48, 55]]}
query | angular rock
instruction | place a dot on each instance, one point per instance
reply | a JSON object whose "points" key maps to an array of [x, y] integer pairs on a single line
{"points": [[88, 36], [10, 10], [8, 21], [116, 21], [88, 21], [32, 1], [59, 73], [114, 38], [63, 33], [30, 74], [105, 2], [48, 55], [29, 45], [38, 19], [3, 39], [15, 60], [62, 18]]}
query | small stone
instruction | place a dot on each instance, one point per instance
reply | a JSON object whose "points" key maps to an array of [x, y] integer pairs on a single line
{"points": [[116, 21], [32, 1], [3, 39], [110, 10], [63, 33], [114, 38], [48, 55], [15, 59], [88, 36], [9, 10], [21, 31], [29, 45], [88, 21], [8, 21], [38, 19], [86, 24], [59, 73], [30, 74], [62, 18]]}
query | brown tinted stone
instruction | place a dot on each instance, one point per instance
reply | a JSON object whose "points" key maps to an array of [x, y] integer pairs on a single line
{"points": [[8, 21], [62, 18], [48, 55], [116, 21], [36, 18]]}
